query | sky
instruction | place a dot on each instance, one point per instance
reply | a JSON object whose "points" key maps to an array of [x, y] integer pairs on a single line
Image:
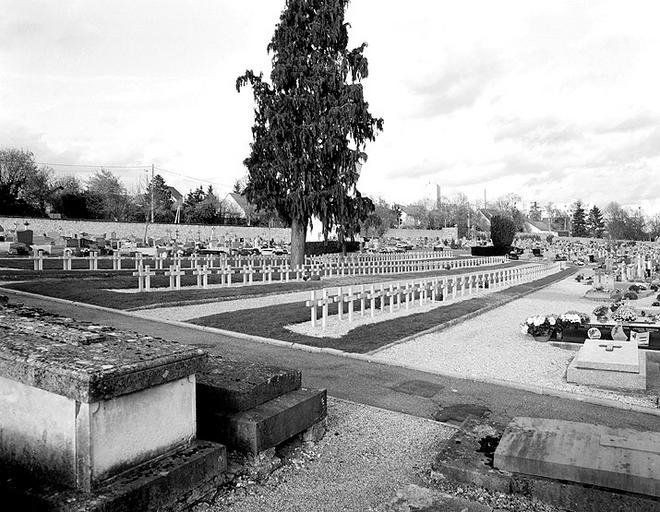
{"points": [[552, 100]]}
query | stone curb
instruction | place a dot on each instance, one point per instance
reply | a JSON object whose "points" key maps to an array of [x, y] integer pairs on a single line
{"points": [[539, 390]]}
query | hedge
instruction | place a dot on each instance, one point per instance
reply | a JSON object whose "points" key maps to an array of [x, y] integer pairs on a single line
{"points": [[331, 246], [489, 250]]}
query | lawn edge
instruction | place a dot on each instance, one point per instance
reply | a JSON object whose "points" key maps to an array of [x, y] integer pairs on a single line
{"points": [[531, 388]]}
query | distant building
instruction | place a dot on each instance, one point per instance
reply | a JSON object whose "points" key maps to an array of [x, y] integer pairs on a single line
{"points": [[237, 206], [539, 228]]}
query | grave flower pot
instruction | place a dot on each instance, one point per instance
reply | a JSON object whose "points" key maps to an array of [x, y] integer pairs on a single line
{"points": [[542, 337]]}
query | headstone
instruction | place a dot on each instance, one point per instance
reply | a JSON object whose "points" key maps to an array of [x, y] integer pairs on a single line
{"points": [[622, 459]]}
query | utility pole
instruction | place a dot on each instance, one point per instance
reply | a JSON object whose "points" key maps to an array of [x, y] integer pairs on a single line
{"points": [[152, 193]]}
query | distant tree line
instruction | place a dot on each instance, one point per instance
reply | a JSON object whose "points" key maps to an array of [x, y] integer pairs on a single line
{"points": [[28, 189]]}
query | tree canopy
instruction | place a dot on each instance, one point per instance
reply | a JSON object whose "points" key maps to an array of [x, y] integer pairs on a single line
{"points": [[311, 123]]}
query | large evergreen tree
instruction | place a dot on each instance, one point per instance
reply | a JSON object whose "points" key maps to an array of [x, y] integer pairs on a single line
{"points": [[595, 222], [579, 223], [311, 123]]}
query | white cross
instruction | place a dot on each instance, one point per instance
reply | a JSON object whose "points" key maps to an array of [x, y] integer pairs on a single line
{"points": [[144, 278], [116, 260], [609, 347], [225, 274], [247, 271], [175, 274], [93, 261], [39, 260], [202, 274], [323, 302]]}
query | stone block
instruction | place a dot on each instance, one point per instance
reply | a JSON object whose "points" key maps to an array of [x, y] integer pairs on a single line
{"points": [[621, 459], [76, 412], [609, 379], [171, 482], [462, 459], [266, 425], [235, 386], [621, 356]]}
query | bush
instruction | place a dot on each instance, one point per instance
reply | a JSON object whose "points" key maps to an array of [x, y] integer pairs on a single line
{"points": [[502, 231], [654, 287], [634, 288], [655, 303], [329, 247], [630, 295], [489, 250]]}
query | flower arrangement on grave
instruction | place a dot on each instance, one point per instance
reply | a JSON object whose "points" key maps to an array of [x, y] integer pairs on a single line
{"points": [[601, 312], [624, 314], [615, 305], [540, 325], [579, 278], [630, 295], [573, 319]]}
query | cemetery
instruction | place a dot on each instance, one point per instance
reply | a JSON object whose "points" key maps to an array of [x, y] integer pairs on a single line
{"points": [[319, 324], [434, 311]]}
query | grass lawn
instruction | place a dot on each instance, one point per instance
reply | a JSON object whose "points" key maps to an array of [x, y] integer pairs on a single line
{"points": [[92, 287], [270, 321]]}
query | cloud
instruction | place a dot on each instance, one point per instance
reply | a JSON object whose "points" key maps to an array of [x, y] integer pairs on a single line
{"points": [[546, 131], [459, 84], [634, 123]]}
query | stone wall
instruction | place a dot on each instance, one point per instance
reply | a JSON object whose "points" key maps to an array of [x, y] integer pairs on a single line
{"points": [[442, 234], [135, 229]]}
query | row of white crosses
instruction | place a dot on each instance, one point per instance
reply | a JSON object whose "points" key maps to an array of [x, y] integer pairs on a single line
{"points": [[144, 273], [399, 266], [365, 257], [394, 296]]}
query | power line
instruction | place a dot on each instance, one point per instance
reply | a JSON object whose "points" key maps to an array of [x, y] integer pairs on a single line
{"points": [[96, 166], [192, 178]]}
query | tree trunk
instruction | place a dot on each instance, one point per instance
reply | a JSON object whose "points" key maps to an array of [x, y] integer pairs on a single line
{"points": [[298, 236]]}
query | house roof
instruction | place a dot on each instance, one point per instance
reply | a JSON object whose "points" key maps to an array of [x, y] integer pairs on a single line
{"points": [[489, 213], [240, 201], [176, 195], [543, 226]]}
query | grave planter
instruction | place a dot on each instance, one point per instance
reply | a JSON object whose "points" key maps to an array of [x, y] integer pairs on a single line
{"points": [[542, 337]]}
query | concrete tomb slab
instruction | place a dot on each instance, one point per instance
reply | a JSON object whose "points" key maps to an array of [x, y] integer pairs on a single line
{"points": [[621, 459], [618, 356], [609, 364], [76, 414]]}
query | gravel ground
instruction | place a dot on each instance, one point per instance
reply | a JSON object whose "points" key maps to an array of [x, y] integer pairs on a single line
{"points": [[491, 345], [183, 313], [366, 455]]}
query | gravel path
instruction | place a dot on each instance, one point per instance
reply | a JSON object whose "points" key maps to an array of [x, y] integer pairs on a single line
{"points": [[366, 456], [491, 345]]}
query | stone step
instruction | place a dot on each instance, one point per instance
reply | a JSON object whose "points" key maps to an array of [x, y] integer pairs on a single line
{"points": [[266, 425], [236, 386], [171, 482]]}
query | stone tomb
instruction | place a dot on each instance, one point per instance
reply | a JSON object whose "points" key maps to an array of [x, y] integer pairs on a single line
{"points": [[76, 411], [609, 364], [621, 459]]}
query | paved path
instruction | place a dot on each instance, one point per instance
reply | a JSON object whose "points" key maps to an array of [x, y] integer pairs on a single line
{"points": [[366, 382]]}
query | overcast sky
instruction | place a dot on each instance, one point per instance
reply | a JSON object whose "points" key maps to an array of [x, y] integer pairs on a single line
{"points": [[553, 100]]}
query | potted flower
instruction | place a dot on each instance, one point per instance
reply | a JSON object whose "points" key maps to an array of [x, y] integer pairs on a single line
{"points": [[601, 312], [540, 327], [571, 321]]}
